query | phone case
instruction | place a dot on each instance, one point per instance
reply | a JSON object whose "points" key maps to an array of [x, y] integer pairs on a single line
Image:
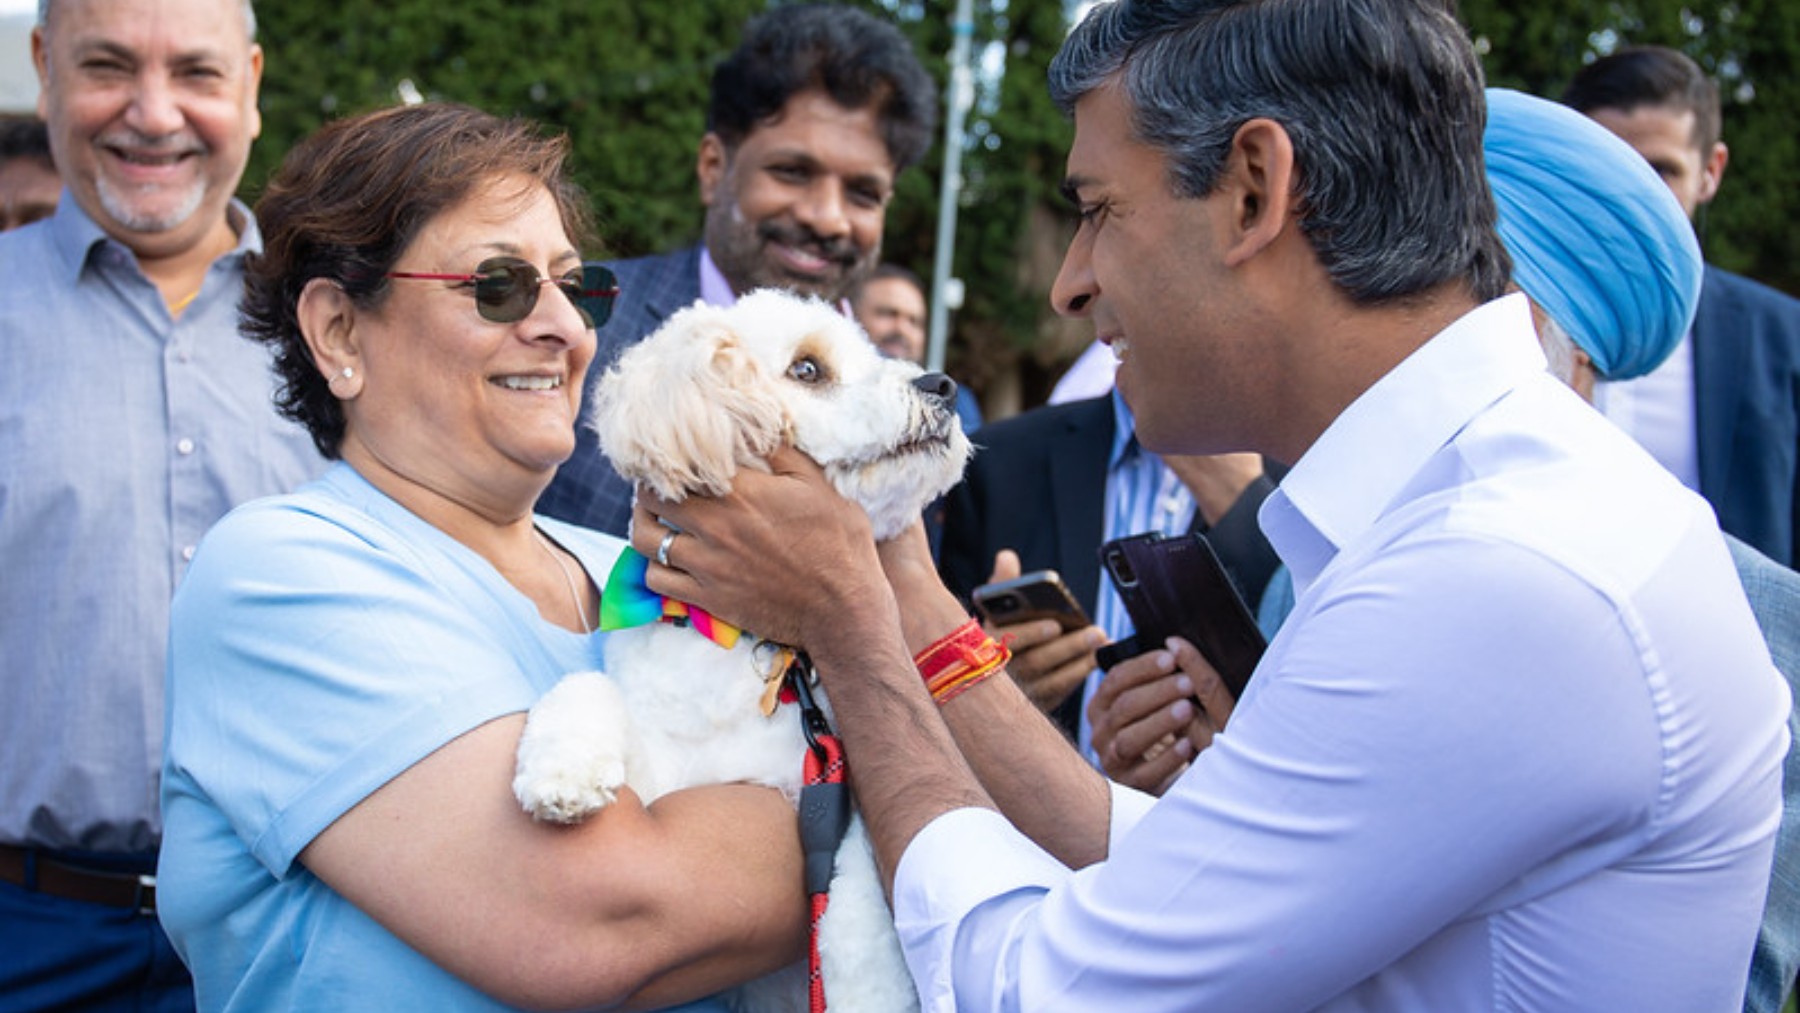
{"points": [[1176, 586], [1040, 594]]}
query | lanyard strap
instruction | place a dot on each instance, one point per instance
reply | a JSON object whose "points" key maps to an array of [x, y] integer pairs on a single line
{"points": [[824, 814]]}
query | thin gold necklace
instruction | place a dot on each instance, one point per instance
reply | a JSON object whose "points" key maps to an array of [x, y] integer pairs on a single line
{"points": [[568, 576]]}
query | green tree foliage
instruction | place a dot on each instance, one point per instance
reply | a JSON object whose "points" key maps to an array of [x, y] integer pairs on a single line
{"points": [[1748, 46], [1011, 221], [628, 81]]}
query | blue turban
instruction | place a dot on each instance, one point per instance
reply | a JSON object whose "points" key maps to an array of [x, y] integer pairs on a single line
{"points": [[1596, 238]]}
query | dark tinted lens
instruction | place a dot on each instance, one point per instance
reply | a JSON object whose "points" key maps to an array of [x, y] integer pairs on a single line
{"points": [[505, 289], [574, 286], [592, 289]]}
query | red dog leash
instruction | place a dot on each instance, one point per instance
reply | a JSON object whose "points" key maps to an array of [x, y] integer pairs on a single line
{"points": [[824, 813]]}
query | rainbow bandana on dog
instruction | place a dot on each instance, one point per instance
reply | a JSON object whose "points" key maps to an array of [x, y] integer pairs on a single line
{"points": [[627, 601]]}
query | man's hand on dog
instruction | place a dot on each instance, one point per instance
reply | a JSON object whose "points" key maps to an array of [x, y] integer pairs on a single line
{"points": [[781, 555]]}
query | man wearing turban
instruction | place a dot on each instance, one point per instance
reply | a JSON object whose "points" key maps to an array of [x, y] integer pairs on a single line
{"points": [[1606, 255], [1723, 411]]}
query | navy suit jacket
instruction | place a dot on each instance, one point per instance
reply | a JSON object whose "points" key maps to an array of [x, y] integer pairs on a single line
{"points": [[1037, 485], [586, 490], [1747, 409]]}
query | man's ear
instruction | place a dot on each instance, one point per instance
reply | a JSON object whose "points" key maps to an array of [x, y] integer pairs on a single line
{"points": [[1259, 177], [1712, 171], [40, 61], [254, 73], [1585, 375], [327, 320], [710, 166]]}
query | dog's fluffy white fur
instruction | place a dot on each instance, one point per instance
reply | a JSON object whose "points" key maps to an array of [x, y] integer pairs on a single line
{"points": [[713, 391]]}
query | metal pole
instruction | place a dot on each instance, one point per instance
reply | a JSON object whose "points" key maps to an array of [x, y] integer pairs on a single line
{"points": [[944, 289]]}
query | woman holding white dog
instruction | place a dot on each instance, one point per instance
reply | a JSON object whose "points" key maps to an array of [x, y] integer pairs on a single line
{"points": [[350, 665]]}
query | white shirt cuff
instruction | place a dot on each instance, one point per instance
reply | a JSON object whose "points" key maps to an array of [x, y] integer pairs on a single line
{"points": [[959, 861]]}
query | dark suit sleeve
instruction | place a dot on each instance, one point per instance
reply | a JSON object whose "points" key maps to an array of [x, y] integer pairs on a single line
{"points": [[1240, 544], [586, 489], [1747, 404], [964, 560]]}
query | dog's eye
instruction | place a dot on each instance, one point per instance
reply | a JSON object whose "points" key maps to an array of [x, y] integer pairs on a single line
{"points": [[806, 370]]}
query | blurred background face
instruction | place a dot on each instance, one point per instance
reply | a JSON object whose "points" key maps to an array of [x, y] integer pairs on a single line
{"points": [[151, 106], [28, 191], [893, 312], [1664, 135], [800, 203]]}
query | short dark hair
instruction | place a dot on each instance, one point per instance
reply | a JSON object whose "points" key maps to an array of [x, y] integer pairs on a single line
{"points": [[1382, 100], [891, 270], [25, 137], [348, 201], [1639, 76], [854, 57]]}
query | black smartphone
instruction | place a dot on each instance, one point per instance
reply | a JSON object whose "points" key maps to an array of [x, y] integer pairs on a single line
{"points": [[1040, 594], [1176, 587]]}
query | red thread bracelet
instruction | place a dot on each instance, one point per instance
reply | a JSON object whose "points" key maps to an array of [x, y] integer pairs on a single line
{"points": [[954, 663]]}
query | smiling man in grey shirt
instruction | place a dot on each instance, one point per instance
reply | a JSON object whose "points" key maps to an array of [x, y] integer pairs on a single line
{"points": [[132, 416]]}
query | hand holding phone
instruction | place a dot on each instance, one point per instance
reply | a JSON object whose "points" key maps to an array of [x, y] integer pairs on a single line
{"points": [[1040, 594], [1142, 734], [1176, 587], [1048, 668]]}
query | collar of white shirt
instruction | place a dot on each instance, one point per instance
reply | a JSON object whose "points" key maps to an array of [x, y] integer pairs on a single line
{"points": [[1364, 459]]}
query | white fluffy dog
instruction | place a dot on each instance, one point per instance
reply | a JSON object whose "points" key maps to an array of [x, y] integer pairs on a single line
{"points": [[715, 390]]}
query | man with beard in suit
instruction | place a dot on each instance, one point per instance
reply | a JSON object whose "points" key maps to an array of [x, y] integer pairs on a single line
{"points": [[811, 119]]}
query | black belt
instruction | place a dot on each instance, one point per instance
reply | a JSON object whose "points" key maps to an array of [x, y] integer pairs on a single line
{"points": [[59, 878]]}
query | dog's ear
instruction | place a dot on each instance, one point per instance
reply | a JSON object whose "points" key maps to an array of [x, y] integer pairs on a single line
{"points": [[685, 408]]}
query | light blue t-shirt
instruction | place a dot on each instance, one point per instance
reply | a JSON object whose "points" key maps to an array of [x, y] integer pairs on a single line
{"points": [[321, 644]]}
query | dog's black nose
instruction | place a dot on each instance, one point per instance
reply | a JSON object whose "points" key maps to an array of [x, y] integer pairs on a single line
{"points": [[938, 386]]}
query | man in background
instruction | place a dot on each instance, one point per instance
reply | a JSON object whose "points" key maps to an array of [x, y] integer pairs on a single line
{"points": [[132, 416], [1723, 412], [890, 306], [811, 119], [29, 185]]}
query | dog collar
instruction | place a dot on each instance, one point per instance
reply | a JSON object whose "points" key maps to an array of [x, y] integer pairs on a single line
{"points": [[627, 601]]}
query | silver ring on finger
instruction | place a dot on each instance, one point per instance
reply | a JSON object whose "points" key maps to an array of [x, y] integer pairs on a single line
{"points": [[662, 549]]}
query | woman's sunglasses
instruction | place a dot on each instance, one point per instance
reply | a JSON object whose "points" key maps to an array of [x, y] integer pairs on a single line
{"points": [[506, 289]]}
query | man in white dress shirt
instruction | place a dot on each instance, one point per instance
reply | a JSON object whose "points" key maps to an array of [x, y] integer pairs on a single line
{"points": [[1518, 745]]}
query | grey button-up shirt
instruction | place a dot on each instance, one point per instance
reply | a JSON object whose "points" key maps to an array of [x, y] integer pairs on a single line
{"points": [[124, 434]]}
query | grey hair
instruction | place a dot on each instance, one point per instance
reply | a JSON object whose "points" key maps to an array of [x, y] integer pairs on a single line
{"points": [[43, 16], [1382, 100], [1558, 347]]}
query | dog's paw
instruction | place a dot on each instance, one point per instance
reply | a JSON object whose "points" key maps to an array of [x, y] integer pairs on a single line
{"points": [[573, 752]]}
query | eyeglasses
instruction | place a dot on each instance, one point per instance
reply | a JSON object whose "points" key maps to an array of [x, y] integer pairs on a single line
{"points": [[506, 289]]}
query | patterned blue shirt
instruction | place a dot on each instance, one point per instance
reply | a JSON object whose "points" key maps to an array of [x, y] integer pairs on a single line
{"points": [[124, 433], [1142, 494]]}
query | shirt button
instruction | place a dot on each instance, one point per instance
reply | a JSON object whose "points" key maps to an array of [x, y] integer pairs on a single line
{"points": [[187, 553], [184, 446]]}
